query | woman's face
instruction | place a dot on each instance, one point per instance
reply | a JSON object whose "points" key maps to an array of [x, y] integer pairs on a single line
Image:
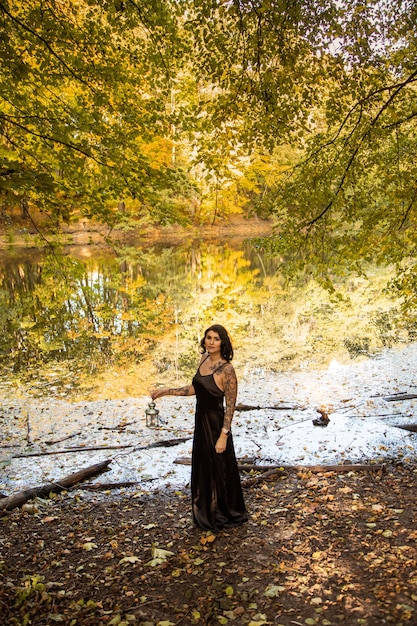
{"points": [[212, 342]]}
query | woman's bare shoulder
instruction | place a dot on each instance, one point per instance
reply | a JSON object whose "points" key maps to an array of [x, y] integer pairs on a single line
{"points": [[228, 369]]}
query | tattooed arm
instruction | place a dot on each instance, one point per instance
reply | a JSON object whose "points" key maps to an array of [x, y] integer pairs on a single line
{"points": [[230, 394], [188, 390], [229, 381]]}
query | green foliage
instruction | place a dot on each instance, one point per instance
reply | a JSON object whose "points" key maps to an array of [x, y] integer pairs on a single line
{"points": [[191, 111], [83, 85]]}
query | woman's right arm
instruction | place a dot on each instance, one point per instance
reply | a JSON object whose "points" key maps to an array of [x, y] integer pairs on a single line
{"points": [[188, 390]]}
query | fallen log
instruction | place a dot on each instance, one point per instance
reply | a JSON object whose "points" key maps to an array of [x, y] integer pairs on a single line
{"points": [[411, 427], [243, 466], [69, 450], [275, 407], [165, 444], [400, 396], [28, 429], [156, 444], [118, 427], [100, 486], [53, 442], [249, 482], [19, 498], [245, 461]]}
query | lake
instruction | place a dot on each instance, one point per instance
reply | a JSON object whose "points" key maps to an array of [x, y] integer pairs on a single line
{"points": [[99, 322]]}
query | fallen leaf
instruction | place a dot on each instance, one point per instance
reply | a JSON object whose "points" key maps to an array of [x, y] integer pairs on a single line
{"points": [[89, 546], [129, 559]]}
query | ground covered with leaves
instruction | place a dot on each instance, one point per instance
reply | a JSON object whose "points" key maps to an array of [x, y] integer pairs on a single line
{"points": [[320, 548]]}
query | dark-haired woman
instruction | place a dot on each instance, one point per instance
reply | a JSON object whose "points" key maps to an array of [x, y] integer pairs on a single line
{"points": [[217, 497]]}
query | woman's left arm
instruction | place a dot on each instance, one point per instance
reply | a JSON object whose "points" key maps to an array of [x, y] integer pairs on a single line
{"points": [[230, 394]]}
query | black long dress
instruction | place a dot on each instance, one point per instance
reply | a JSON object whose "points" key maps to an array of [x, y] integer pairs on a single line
{"points": [[217, 497]]}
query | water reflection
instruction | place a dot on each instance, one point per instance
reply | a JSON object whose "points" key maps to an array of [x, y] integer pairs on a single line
{"points": [[112, 324]]}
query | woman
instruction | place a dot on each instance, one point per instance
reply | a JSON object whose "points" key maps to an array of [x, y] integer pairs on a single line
{"points": [[217, 497]]}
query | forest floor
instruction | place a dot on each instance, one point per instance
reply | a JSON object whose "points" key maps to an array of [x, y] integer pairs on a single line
{"points": [[320, 548]]}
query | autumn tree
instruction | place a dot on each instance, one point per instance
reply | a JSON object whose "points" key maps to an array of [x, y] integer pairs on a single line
{"points": [[336, 81], [304, 111], [85, 88]]}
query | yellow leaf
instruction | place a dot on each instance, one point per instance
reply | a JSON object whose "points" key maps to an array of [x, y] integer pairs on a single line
{"points": [[159, 556], [129, 559], [159, 553], [259, 620], [272, 591], [317, 555], [89, 546]]}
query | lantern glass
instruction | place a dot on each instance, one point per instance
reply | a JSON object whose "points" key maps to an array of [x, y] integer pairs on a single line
{"points": [[152, 415]]}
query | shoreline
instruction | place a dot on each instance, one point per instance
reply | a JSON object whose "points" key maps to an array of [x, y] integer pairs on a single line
{"points": [[89, 233], [363, 427]]}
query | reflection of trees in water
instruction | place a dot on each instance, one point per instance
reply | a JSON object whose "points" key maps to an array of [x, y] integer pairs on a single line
{"points": [[86, 315], [145, 311]]}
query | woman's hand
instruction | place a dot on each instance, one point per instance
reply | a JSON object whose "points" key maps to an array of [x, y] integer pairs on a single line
{"points": [[221, 443], [157, 393]]}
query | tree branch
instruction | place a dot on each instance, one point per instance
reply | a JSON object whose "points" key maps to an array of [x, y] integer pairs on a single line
{"points": [[46, 137], [365, 134], [46, 44], [407, 211]]}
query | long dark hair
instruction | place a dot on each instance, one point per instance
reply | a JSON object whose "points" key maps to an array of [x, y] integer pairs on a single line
{"points": [[226, 347]]}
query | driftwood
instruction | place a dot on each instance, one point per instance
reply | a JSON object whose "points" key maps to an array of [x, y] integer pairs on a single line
{"points": [[52, 443], [118, 427], [157, 444], [242, 466], [247, 467], [69, 450], [11, 502], [99, 486], [400, 396], [275, 407], [411, 427], [28, 429], [276, 471], [249, 482]]}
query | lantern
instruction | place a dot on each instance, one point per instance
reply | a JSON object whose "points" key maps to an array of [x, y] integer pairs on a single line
{"points": [[152, 413]]}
